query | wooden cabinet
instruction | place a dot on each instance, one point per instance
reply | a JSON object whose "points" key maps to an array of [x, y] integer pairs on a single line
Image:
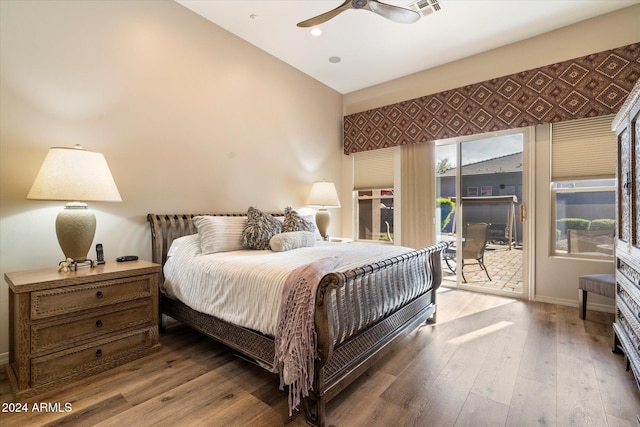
{"points": [[627, 252], [67, 326]]}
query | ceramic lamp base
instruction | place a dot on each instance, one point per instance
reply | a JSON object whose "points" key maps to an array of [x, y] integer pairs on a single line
{"points": [[323, 219], [75, 228]]}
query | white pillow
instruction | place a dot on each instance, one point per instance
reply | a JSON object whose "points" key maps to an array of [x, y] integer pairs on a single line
{"points": [[220, 233], [291, 240], [184, 243]]}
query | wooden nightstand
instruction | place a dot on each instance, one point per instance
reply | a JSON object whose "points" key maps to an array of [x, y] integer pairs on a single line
{"points": [[68, 326]]}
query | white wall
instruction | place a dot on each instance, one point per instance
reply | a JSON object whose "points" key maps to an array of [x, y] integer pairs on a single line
{"points": [[189, 117], [556, 277]]}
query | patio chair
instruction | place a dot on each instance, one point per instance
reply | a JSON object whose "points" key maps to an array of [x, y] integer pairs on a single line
{"points": [[474, 243]]}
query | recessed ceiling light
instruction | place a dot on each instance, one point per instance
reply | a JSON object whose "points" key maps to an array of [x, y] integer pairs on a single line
{"points": [[316, 31], [335, 59]]}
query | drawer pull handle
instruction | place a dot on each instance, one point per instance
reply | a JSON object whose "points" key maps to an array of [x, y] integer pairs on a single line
{"points": [[98, 353], [99, 323], [99, 294]]}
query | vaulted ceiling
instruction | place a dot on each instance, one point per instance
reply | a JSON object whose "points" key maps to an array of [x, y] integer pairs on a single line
{"points": [[358, 48]]}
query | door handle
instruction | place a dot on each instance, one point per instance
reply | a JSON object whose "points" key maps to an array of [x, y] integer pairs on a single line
{"points": [[627, 184], [523, 213]]}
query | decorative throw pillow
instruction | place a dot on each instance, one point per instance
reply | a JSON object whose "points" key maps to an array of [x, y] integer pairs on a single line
{"points": [[292, 240], [293, 221], [220, 233], [259, 229]]}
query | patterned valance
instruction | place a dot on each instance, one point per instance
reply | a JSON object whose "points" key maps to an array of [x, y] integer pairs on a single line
{"points": [[589, 86]]}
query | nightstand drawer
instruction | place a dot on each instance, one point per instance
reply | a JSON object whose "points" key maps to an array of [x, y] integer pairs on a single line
{"points": [[59, 333], [91, 358], [77, 298]]}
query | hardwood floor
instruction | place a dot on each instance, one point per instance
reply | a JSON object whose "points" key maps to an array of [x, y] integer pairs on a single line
{"points": [[489, 361]]}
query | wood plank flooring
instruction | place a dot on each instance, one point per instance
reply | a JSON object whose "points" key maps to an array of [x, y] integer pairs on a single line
{"points": [[489, 361]]}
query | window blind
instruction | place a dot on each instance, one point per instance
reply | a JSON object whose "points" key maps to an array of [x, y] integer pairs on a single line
{"points": [[373, 169], [583, 149]]}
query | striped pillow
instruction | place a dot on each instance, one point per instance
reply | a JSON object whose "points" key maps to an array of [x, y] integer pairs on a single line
{"points": [[220, 233]]}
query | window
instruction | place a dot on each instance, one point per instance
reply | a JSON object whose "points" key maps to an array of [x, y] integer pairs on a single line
{"points": [[584, 217], [583, 188], [375, 215], [373, 190]]}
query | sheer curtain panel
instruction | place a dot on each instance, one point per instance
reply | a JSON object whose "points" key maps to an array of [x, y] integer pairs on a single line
{"points": [[418, 189]]}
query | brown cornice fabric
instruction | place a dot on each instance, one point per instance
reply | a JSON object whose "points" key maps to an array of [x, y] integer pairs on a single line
{"points": [[589, 86]]}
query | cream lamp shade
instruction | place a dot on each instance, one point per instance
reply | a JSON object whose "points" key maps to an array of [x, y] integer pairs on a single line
{"points": [[75, 175], [324, 195]]}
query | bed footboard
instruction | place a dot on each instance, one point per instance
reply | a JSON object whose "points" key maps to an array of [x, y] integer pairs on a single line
{"points": [[361, 312]]}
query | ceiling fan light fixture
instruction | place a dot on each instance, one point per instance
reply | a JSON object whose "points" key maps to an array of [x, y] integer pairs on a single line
{"points": [[316, 31], [394, 13]]}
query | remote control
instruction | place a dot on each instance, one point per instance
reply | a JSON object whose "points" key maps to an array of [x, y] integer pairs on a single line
{"points": [[99, 254], [126, 258]]}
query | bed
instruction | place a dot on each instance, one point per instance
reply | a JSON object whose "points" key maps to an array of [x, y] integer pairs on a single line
{"points": [[359, 311]]}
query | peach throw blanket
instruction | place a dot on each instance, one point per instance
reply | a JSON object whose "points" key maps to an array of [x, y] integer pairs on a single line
{"points": [[295, 338]]}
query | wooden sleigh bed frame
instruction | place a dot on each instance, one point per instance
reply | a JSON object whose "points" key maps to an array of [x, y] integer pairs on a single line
{"points": [[358, 313]]}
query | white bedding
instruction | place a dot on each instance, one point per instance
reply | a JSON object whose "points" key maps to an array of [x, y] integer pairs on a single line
{"points": [[245, 287]]}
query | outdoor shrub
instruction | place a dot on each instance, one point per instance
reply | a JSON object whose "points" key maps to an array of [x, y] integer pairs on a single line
{"points": [[602, 224], [571, 223], [447, 208]]}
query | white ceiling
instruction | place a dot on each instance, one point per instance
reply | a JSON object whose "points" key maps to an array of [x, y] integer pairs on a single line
{"points": [[373, 49]]}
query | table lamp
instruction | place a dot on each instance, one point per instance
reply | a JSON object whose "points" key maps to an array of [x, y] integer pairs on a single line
{"points": [[75, 175], [324, 195]]}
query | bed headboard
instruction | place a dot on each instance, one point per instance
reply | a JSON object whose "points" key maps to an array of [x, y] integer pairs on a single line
{"points": [[165, 228]]}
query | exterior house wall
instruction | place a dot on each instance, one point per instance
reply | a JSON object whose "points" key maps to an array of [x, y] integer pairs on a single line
{"points": [[487, 213]]}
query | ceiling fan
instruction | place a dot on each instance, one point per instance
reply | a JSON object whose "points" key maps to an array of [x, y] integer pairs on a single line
{"points": [[394, 13]]}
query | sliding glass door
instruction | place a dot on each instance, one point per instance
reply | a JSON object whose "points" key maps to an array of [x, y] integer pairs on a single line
{"points": [[481, 188]]}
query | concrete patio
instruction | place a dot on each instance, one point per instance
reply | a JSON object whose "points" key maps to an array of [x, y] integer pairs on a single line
{"points": [[504, 266]]}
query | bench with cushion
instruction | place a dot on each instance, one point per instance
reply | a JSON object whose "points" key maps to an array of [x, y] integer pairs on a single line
{"points": [[601, 284]]}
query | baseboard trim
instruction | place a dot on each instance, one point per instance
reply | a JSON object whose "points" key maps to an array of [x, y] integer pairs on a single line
{"points": [[605, 308]]}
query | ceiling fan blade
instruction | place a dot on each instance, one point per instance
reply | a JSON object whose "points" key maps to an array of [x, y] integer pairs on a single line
{"points": [[317, 20], [394, 13]]}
